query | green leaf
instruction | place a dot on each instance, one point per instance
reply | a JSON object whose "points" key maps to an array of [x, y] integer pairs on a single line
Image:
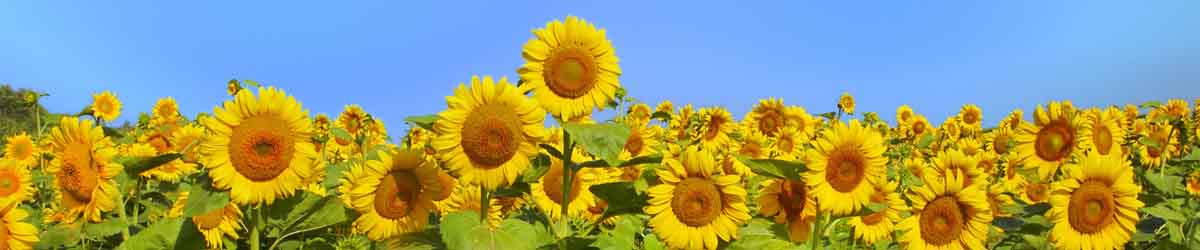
{"points": [[310, 212], [1038, 209], [829, 115], [104, 229], [59, 235], [648, 177], [651, 242], [421, 240], [1168, 184], [1150, 104], [160, 235], [455, 229], [190, 238], [602, 140], [464, 230], [622, 236], [1162, 211], [137, 165], [537, 168], [334, 174], [341, 134], [622, 198], [1150, 224], [202, 200], [645, 159], [660, 115], [252, 83], [423, 121], [761, 234], [550, 149], [1036, 241], [925, 141], [775, 168], [515, 190]]}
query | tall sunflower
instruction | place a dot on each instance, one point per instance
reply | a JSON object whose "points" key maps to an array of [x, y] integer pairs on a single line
{"points": [[259, 146], [843, 164], [790, 203], [998, 140], [571, 68], [1100, 131], [15, 233], [187, 140], [20, 149], [217, 224], [489, 132], [716, 124], [954, 162], [1051, 141], [352, 119], [1096, 207], [84, 169], [971, 117], [846, 103], [394, 194], [767, 117], [695, 204], [106, 106], [1164, 144], [15, 183], [947, 215], [171, 171], [878, 226], [166, 111]]}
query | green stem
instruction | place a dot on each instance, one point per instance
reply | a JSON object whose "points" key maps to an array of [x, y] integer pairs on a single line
{"points": [[255, 224], [568, 172], [814, 239], [136, 193], [483, 203], [121, 213]]}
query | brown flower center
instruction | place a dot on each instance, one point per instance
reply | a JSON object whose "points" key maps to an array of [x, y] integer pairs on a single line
{"points": [[396, 194], [570, 72], [696, 202], [942, 221], [634, 144], [792, 198], [1091, 208], [715, 124], [846, 168], [1036, 192], [1055, 141], [770, 122], [552, 184], [159, 142], [491, 135], [1102, 137], [209, 220], [970, 117], [260, 149], [1000, 143], [78, 176], [874, 218]]}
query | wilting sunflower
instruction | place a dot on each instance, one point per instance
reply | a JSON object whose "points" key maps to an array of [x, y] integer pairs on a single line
{"points": [[20, 149], [790, 203], [971, 117], [548, 191], [843, 164], [947, 215], [394, 194], [489, 132], [106, 106], [84, 169], [217, 224], [16, 233], [695, 204], [571, 68], [878, 226], [846, 103], [767, 117], [259, 147], [716, 124], [1193, 183], [15, 183], [954, 162], [1096, 207], [1051, 141], [1100, 131], [166, 111], [1165, 145]]}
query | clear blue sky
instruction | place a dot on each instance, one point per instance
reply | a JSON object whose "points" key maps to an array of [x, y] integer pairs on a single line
{"points": [[400, 58]]}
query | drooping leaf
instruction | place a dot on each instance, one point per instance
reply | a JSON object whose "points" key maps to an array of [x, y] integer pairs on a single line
{"points": [[310, 212], [1009, 224], [136, 165], [782, 169], [1162, 211], [515, 190], [423, 121], [601, 140], [202, 200], [622, 198], [190, 238], [622, 236]]}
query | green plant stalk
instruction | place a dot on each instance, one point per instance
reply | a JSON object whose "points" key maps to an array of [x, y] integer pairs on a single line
{"points": [[483, 203], [121, 213], [255, 224], [137, 186], [814, 239], [568, 172]]}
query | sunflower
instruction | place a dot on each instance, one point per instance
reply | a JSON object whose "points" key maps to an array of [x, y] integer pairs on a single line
{"points": [[233, 87], [717, 123], [997, 141], [878, 226], [754, 144], [15, 183], [789, 202], [548, 191], [166, 111], [171, 171], [971, 117], [1014, 120], [846, 103], [84, 169], [970, 146], [1096, 207], [571, 68], [767, 117], [643, 140], [1100, 131], [466, 197], [217, 224], [843, 164], [665, 107], [904, 116], [1176, 108], [954, 162], [920, 126], [1165, 145], [15, 233], [951, 129], [489, 132], [799, 118], [998, 199], [695, 204], [177, 207], [1193, 183], [352, 118], [639, 113], [1052, 141], [679, 125], [730, 165], [106, 106], [259, 146], [394, 194], [947, 215], [987, 163], [1034, 192], [186, 140], [917, 166], [20, 149], [790, 144]]}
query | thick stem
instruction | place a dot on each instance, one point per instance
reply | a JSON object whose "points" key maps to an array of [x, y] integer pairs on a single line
{"points": [[136, 188], [568, 172], [121, 213], [255, 224], [814, 239], [483, 203]]}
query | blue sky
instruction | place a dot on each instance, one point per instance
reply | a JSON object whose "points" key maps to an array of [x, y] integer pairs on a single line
{"points": [[401, 58]]}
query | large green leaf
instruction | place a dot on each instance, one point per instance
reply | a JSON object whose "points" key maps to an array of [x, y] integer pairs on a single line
{"points": [[341, 134], [137, 165], [464, 230], [202, 200], [421, 240], [651, 242], [105, 228], [759, 235], [334, 173], [306, 212], [190, 238], [622, 198], [622, 236], [537, 167], [58, 236], [423, 121], [1168, 184], [601, 140], [775, 168], [160, 235], [1162, 211]]}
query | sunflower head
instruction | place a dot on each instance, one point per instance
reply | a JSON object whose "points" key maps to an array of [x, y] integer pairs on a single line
{"points": [[15, 232], [352, 119], [920, 126], [846, 103], [767, 117], [878, 226], [20, 149], [571, 67], [106, 106], [954, 162], [394, 194], [665, 107], [84, 169], [789, 202], [489, 132], [695, 204], [218, 224], [1193, 183], [1051, 141], [947, 215], [166, 111], [1100, 131], [843, 163], [971, 117], [716, 124], [639, 113], [904, 115], [15, 183], [1099, 197]]}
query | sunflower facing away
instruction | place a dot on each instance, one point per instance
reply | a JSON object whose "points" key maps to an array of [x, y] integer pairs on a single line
{"points": [[1100, 131], [15, 233], [83, 169], [15, 183], [259, 146], [394, 194], [20, 149], [879, 225], [947, 215], [789, 203], [843, 163], [1051, 141], [571, 68], [106, 106], [488, 132], [695, 205], [1096, 206], [217, 224]]}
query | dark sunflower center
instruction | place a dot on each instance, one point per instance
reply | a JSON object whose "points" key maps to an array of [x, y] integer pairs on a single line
{"points": [[769, 123], [552, 184], [696, 202], [491, 135], [846, 168], [1000, 144], [942, 221], [209, 220], [570, 73], [792, 198], [1091, 208], [634, 144], [77, 176], [1036, 192], [919, 128], [714, 127], [259, 149], [970, 117], [396, 194], [9, 183], [1055, 141], [159, 142], [1102, 137], [905, 116]]}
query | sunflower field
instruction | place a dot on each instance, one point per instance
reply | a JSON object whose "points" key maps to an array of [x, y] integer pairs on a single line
{"points": [[522, 164]]}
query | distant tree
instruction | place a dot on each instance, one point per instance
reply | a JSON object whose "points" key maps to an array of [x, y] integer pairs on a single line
{"points": [[18, 108]]}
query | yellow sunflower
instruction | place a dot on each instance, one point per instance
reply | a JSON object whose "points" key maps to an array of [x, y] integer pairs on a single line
{"points": [[997, 199], [394, 194], [846, 103], [754, 144], [1012, 176], [639, 113], [571, 68], [951, 129], [920, 126], [643, 140], [878, 226], [918, 167], [1193, 183], [217, 224], [730, 165], [1096, 207], [15, 183], [680, 122], [665, 106], [767, 117], [489, 132], [465, 197], [971, 117], [716, 123], [997, 141], [988, 164], [1100, 131], [1034, 192], [695, 204], [259, 147], [166, 111], [790, 143], [1014, 120], [1176, 108], [548, 191], [177, 207], [799, 118], [790, 203], [1165, 145], [171, 171], [106, 106], [84, 169], [1051, 141], [186, 140], [954, 162], [947, 215], [20, 149], [17, 234], [904, 116], [352, 118], [970, 146], [843, 164]]}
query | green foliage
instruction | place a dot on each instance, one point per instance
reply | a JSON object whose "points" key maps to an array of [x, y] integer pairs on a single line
{"points": [[602, 140], [622, 236], [423, 121], [782, 169], [464, 230]]}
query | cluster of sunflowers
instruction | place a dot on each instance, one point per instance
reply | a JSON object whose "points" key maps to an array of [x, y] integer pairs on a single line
{"points": [[486, 173]]}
